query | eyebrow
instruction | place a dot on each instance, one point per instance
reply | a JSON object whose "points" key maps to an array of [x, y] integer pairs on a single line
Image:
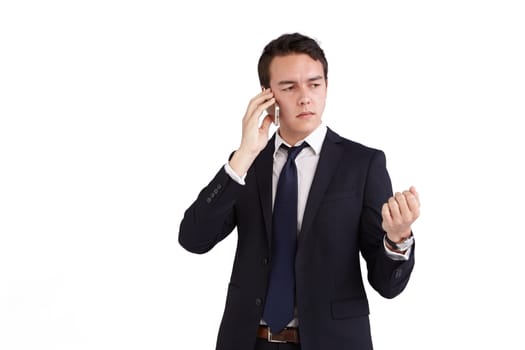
{"points": [[287, 82]]}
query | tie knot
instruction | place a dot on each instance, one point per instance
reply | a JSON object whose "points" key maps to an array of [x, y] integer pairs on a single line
{"points": [[294, 151]]}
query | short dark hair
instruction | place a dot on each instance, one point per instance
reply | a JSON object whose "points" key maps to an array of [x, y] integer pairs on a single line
{"points": [[288, 44]]}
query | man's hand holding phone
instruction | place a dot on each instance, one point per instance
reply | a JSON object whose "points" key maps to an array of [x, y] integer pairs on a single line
{"points": [[254, 134]]}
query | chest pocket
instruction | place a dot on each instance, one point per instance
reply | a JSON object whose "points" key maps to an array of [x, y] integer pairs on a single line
{"points": [[335, 196]]}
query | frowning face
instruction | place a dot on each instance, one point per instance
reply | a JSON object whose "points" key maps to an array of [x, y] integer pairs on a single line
{"points": [[299, 86]]}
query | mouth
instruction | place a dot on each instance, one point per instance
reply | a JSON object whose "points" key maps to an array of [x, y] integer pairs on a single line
{"points": [[306, 114]]}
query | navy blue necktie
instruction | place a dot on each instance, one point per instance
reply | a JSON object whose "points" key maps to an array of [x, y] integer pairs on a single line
{"points": [[280, 299]]}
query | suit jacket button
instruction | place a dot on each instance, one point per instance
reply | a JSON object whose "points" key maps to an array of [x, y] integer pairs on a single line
{"points": [[258, 301], [398, 273], [208, 200], [265, 261]]}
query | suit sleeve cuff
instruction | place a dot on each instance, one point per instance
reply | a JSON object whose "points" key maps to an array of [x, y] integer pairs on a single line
{"points": [[397, 256], [233, 175]]}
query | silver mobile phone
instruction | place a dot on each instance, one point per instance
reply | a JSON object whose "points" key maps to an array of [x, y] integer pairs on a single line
{"points": [[276, 116]]}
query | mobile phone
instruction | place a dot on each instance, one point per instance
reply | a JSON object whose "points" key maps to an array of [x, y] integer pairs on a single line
{"points": [[276, 115]]}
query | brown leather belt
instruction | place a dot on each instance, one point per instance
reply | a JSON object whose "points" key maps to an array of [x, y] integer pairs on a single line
{"points": [[287, 335]]}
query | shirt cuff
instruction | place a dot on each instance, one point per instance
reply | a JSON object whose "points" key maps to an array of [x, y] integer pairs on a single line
{"points": [[233, 175], [397, 256]]}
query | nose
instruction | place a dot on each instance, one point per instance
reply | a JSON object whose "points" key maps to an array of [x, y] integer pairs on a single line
{"points": [[304, 98]]}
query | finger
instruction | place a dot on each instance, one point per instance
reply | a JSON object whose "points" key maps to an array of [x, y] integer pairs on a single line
{"points": [[260, 98], [413, 203], [415, 193], [252, 120], [394, 209], [387, 217], [265, 125], [259, 110], [263, 93], [403, 206]]}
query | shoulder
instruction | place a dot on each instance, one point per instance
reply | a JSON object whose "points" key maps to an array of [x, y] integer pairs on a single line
{"points": [[353, 148]]}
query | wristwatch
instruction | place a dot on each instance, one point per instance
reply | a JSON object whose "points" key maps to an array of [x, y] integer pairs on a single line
{"points": [[402, 246]]}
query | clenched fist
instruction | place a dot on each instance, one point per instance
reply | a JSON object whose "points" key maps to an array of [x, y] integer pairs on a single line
{"points": [[399, 213]]}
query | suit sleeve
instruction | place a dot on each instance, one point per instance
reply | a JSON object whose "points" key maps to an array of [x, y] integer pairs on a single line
{"points": [[388, 277], [211, 218]]}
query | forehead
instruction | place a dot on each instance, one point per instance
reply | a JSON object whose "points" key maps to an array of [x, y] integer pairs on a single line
{"points": [[295, 67]]}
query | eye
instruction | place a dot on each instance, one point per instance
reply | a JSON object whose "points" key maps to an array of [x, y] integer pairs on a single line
{"points": [[288, 88], [315, 85]]}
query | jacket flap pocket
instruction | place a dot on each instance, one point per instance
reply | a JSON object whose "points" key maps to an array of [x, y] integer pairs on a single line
{"points": [[348, 308]]}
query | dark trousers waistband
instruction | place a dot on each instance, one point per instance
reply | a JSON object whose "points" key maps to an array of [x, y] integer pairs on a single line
{"points": [[287, 335]]}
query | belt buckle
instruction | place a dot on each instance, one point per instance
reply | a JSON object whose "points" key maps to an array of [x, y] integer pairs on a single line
{"points": [[271, 340]]}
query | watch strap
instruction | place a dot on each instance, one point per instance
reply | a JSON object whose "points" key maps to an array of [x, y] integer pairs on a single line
{"points": [[401, 246]]}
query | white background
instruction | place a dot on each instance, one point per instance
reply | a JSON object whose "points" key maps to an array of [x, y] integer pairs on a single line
{"points": [[114, 114]]}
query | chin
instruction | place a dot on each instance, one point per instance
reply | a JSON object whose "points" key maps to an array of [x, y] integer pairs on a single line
{"points": [[308, 125], [303, 130]]}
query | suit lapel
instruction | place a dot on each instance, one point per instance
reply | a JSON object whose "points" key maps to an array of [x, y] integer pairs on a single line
{"points": [[328, 161], [263, 173]]}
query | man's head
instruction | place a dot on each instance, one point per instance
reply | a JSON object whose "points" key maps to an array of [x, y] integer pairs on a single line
{"points": [[294, 67], [289, 44]]}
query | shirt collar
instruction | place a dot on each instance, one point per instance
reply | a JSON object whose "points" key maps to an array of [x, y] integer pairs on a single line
{"points": [[315, 140]]}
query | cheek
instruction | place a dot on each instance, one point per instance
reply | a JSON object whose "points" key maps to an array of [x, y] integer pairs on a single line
{"points": [[320, 94], [320, 99], [285, 105], [287, 110]]}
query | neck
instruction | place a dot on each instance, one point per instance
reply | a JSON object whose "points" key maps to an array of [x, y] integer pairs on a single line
{"points": [[292, 141], [292, 138]]}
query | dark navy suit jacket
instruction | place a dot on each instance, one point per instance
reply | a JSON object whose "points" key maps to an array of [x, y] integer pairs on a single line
{"points": [[342, 218]]}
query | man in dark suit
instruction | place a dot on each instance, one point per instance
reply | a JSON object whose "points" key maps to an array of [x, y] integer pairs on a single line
{"points": [[305, 204]]}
